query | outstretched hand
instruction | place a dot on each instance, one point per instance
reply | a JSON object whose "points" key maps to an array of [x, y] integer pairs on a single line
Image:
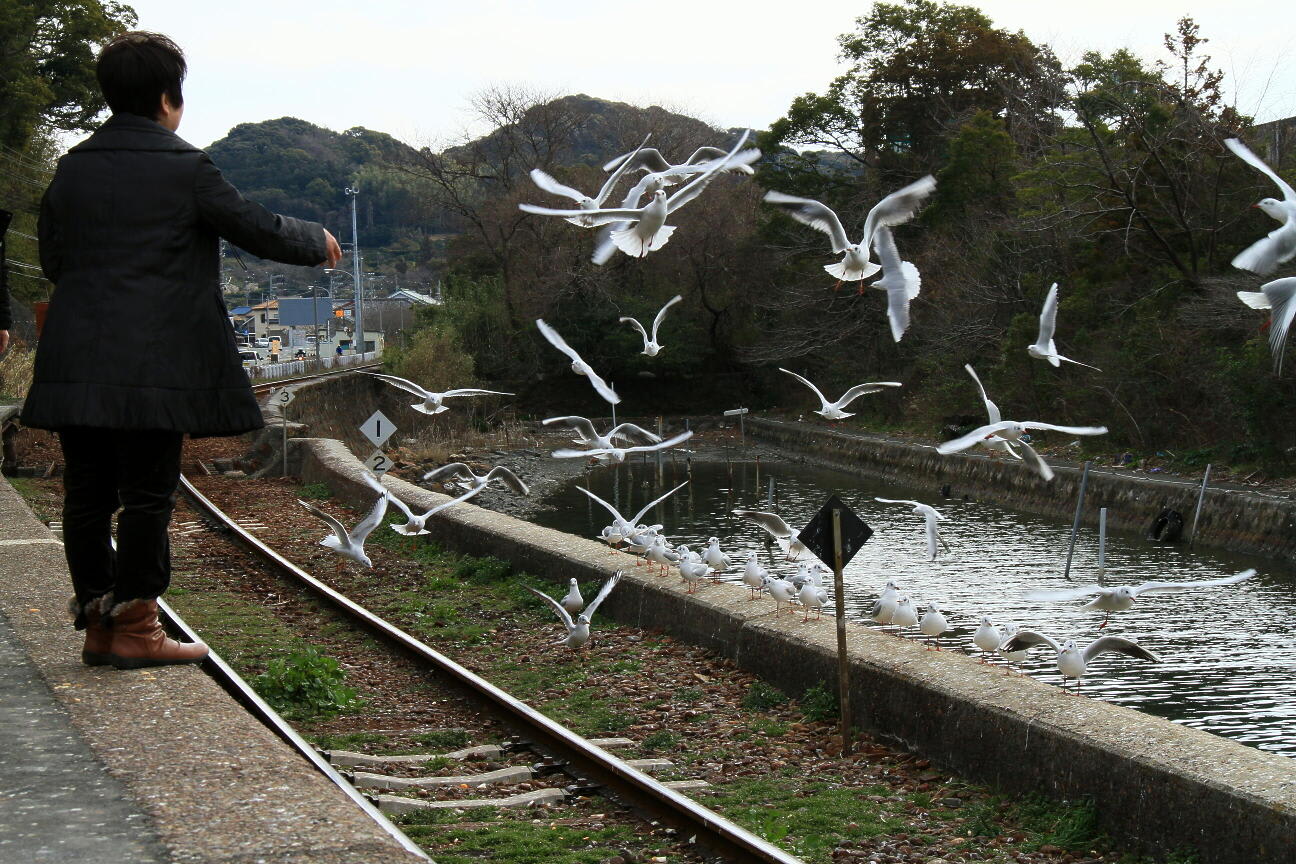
{"points": [[331, 249]]}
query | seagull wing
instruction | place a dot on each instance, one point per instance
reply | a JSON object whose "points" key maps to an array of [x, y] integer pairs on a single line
{"points": [[563, 615], [1168, 587], [401, 506], [1244, 153], [1280, 292], [553, 187], [653, 504], [584, 428], [898, 207], [508, 478], [375, 518], [1036, 461], [771, 522], [974, 437], [590, 217], [407, 386], [373, 483], [445, 472], [662, 314], [992, 410], [806, 382], [637, 326], [473, 391], [619, 171], [1048, 318], [1120, 645], [1060, 594], [900, 279], [863, 390], [453, 501], [694, 187], [809, 212], [631, 432], [898, 501], [334, 525], [704, 154], [1070, 430], [556, 340], [609, 395], [660, 445], [604, 591], [1029, 639], [647, 158], [933, 532], [616, 514]]}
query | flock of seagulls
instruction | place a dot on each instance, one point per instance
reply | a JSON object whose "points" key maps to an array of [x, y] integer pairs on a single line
{"points": [[638, 227]]}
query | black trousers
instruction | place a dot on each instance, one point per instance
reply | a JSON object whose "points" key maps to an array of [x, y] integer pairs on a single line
{"points": [[106, 470]]}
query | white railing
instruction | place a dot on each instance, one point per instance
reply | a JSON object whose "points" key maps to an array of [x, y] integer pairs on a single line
{"points": [[266, 371]]}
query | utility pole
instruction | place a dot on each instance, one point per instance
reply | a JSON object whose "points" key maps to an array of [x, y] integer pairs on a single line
{"points": [[355, 265]]}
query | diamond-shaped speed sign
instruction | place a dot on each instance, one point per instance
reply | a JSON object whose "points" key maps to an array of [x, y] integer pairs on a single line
{"points": [[282, 397], [378, 462], [377, 428], [818, 534]]}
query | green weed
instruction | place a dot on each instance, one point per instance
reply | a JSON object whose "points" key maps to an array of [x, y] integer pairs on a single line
{"points": [[762, 697], [315, 491], [819, 703], [305, 685]]}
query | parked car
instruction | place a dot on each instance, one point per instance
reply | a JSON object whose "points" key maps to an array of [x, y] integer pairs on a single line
{"points": [[263, 343], [249, 357]]}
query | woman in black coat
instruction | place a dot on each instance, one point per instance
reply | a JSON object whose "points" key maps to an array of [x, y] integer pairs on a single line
{"points": [[137, 348]]}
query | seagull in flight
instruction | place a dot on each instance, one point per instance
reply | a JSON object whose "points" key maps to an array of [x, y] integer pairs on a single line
{"points": [[431, 403], [1263, 256], [1275, 296], [654, 164], [783, 534], [1118, 598], [994, 442], [1043, 347], [578, 631], [1012, 430], [583, 201], [833, 410], [931, 516], [900, 279], [651, 346], [618, 454], [1072, 660], [350, 544], [589, 435], [579, 366], [627, 526], [647, 230], [856, 265], [417, 524], [467, 479]]}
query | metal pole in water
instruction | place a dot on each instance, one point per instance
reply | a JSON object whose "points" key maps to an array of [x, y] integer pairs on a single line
{"points": [[1075, 526], [1102, 543], [769, 496], [1201, 497], [843, 667], [659, 453]]}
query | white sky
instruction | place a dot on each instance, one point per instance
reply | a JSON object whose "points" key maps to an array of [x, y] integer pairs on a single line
{"points": [[410, 68]]}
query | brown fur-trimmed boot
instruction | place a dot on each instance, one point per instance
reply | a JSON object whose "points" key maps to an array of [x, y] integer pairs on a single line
{"points": [[98, 638], [138, 639]]}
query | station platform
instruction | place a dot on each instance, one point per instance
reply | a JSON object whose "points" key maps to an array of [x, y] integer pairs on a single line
{"points": [[153, 765]]}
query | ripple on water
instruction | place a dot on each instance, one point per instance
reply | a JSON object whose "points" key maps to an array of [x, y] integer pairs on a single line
{"points": [[1223, 667]]}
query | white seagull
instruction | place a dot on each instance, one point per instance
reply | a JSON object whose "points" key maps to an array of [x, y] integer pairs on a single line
{"points": [[578, 631], [647, 230], [579, 366], [717, 560], [469, 480], [350, 544], [583, 201], [1012, 430], [987, 637], [1264, 255], [1118, 598], [776, 528], [1043, 347], [572, 601], [994, 442], [618, 454], [833, 410], [812, 596], [931, 516], [650, 160], [933, 624], [1073, 661], [895, 209], [431, 403], [905, 614], [1006, 633], [589, 435], [900, 280], [1276, 296], [651, 346], [417, 524], [781, 590], [626, 527], [753, 576], [884, 607]]}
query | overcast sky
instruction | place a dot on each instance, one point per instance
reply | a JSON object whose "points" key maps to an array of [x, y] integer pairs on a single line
{"points": [[410, 68]]}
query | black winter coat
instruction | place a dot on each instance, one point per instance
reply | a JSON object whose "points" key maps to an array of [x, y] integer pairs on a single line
{"points": [[137, 335]]}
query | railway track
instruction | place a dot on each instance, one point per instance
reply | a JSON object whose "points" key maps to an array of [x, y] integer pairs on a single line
{"points": [[586, 766], [267, 386]]}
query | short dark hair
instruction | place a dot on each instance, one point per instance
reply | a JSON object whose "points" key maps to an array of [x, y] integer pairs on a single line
{"points": [[136, 68]]}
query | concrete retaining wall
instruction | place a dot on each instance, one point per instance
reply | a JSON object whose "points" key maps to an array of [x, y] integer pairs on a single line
{"points": [[1158, 786], [1239, 521]]}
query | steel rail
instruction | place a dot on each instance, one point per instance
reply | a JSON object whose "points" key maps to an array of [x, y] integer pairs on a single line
{"points": [[584, 759], [234, 684]]}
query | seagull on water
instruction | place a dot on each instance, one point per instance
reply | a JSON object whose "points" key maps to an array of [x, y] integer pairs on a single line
{"points": [[1118, 598], [618, 454], [646, 230], [431, 403], [1013, 430], [578, 631], [466, 479], [931, 516], [776, 528], [1264, 255], [1043, 347], [994, 442], [350, 544], [833, 410], [651, 346], [1275, 296], [1072, 660], [579, 366], [583, 201], [895, 209]]}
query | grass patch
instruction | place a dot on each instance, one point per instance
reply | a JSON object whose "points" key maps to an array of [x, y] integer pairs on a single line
{"points": [[586, 713], [507, 837], [768, 726], [355, 741], [762, 697], [660, 741], [315, 492], [443, 739], [1066, 825], [306, 685], [809, 819], [819, 703]]}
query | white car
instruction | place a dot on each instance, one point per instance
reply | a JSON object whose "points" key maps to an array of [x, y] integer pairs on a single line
{"points": [[249, 357]]}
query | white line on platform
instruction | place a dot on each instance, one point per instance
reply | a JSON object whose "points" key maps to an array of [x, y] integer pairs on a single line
{"points": [[33, 541]]}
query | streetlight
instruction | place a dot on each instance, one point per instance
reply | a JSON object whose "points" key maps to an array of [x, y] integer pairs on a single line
{"points": [[355, 263], [315, 299]]}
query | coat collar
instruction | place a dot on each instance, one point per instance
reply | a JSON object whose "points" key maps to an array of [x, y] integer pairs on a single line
{"points": [[124, 131]]}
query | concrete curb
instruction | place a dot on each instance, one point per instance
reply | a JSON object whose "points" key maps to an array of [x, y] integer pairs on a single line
{"points": [[1159, 786]]}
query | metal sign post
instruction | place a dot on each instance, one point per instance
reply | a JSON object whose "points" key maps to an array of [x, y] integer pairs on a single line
{"points": [[1075, 525], [283, 397], [377, 428], [1102, 543], [843, 666], [742, 432], [1201, 497]]}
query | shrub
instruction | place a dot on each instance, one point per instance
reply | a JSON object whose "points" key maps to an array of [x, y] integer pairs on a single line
{"points": [[761, 697], [819, 703], [305, 684]]}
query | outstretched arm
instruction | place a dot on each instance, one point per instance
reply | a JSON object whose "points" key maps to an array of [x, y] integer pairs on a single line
{"points": [[254, 228]]}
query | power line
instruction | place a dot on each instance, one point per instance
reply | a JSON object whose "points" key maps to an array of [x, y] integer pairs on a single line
{"points": [[21, 234], [20, 158], [26, 275], [26, 180], [21, 264]]}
